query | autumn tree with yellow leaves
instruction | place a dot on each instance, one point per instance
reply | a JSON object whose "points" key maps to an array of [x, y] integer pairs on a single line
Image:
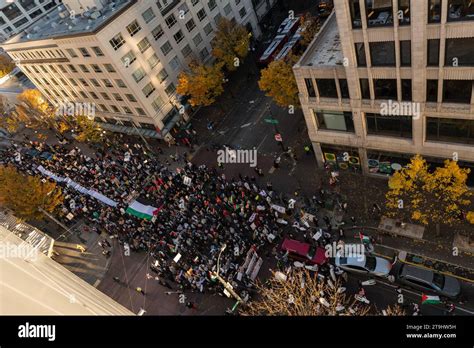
{"points": [[202, 83], [279, 83], [86, 130], [6, 66], [436, 197], [311, 26], [231, 43], [27, 195], [34, 111]]}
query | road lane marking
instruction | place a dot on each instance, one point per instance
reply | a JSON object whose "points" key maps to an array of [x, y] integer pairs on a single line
{"points": [[246, 125], [265, 138]]}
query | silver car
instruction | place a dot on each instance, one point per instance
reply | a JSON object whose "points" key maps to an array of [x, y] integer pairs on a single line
{"points": [[365, 264], [429, 281]]}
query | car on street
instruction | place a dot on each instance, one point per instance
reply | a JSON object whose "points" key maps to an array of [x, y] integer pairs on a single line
{"points": [[428, 281], [304, 252], [364, 264]]}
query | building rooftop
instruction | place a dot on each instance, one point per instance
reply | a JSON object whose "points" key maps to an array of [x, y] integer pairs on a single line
{"points": [[325, 50], [59, 22]]}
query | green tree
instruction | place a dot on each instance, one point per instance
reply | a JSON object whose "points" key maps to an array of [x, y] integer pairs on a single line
{"points": [[278, 82], [203, 83], [26, 195], [436, 197], [231, 43]]}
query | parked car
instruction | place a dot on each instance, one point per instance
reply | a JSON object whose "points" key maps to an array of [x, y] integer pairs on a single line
{"points": [[304, 252], [429, 281], [364, 264]]}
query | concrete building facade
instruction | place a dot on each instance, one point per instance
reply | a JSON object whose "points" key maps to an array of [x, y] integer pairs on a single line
{"points": [[124, 57], [386, 79]]}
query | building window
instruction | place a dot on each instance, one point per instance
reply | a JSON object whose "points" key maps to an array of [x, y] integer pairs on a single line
{"points": [[174, 63], [178, 37], [107, 83], [364, 88], [166, 48], [405, 53], [208, 29], [190, 25], [432, 91], [183, 9], [392, 126], [143, 45], [120, 83], [310, 88], [327, 88], [63, 69], [128, 59], [133, 28], [148, 15], [96, 68], [117, 97], [385, 88], [94, 95], [217, 18], [83, 82], [72, 68], [157, 32], [148, 89], [201, 14], [242, 12], [73, 82], [97, 51], [170, 89], [204, 54], [162, 75], [194, 2], [127, 110], [117, 41], [85, 53], [459, 52], [403, 12], [131, 98], [138, 74], [460, 10], [186, 51], [115, 109], [83, 94], [457, 91], [105, 95], [434, 11], [379, 13], [433, 52], [344, 88], [382, 53], [211, 4], [140, 111], [197, 39], [158, 103], [334, 120], [360, 54], [95, 82], [450, 130], [109, 68], [153, 61], [406, 90], [83, 68], [227, 9], [170, 21], [71, 52]]}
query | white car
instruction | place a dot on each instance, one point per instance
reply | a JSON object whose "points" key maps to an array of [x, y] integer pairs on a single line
{"points": [[364, 264]]}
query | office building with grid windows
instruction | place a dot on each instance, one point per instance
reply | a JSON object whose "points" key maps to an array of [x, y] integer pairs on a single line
{"points": [[123, 56], [387, 79]]}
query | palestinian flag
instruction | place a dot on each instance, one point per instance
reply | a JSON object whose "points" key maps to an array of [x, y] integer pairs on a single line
{"points": [[142, 211], [426, 299], [363, 238]]}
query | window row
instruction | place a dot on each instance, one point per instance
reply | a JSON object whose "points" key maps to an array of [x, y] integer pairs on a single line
{"points": [[437, 129]]}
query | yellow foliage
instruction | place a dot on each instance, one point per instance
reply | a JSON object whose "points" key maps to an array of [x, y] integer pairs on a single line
{"points": [[87, 130], [33, 110], [203, 83], [231, 43], [25, 195], [6, 66], [278, 81], [311, 27], [436, 197], [470, 217]]}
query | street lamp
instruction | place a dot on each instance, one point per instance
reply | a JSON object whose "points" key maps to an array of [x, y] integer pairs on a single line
{"points": [[226, 284]]}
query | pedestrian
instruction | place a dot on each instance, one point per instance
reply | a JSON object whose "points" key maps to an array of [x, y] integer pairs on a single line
{"points": [[191, 305], [116, 279], [140, 290], [416, 309], [307, 150], [451, 308], [353, 219], [342, 235]]}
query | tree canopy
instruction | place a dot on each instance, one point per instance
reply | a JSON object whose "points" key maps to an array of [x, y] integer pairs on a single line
{"points": [[425, 196], [279, 83], [25, 194], [203, 83], [231, 43]]}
